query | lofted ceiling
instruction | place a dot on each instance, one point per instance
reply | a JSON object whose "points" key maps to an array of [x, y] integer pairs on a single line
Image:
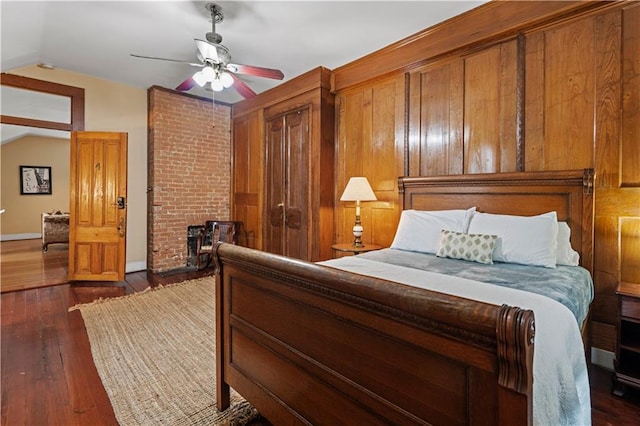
{"points": [[96, 38]]}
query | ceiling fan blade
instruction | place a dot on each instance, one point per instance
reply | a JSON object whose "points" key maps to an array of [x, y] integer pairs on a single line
{"points": [[186, 85], [242, 88], [256, 71], [193, 64], [207, 50]]}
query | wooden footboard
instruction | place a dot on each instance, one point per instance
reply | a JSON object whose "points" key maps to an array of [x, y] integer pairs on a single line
{"points": [[307, 344]]}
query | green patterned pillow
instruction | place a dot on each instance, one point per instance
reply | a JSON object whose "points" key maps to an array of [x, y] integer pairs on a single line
{"points": [[473, 247]]}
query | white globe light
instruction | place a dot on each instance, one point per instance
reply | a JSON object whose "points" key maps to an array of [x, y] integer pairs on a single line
{"points": [[226, 79], [208, 73], [216, 85], [199, 78]]}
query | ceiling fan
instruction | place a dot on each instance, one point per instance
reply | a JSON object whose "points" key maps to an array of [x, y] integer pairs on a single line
{"points": [[215, 63]]}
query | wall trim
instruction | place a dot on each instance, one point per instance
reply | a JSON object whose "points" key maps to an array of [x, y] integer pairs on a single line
{"points": [[15, 237], [138, 265], [602, 358]]}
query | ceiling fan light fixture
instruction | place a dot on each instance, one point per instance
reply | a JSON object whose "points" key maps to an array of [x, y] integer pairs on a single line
{"points": [[217, 85], [200, 78], [214, 63], [226, 79]]}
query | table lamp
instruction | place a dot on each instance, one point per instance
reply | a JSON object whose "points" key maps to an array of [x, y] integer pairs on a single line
{"points": [[358, 189]]}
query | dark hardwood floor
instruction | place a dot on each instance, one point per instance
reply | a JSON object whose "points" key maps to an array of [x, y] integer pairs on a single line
{"points": [[48, 376], [24, 265]]}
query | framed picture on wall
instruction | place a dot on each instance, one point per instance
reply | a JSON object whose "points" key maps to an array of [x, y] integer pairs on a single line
{"points": [[35, 180]]}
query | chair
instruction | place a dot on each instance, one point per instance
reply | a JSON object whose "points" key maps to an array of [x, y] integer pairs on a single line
{"points": [[225, 231], [55, 229]]}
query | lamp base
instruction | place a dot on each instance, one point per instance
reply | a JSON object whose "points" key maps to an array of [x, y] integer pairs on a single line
{"points": [[357, 233]]}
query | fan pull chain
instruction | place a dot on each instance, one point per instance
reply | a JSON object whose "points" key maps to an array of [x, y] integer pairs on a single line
{"points": [[213, 109]]}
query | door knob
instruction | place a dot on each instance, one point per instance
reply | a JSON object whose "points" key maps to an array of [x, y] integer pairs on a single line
{"points": [[119, 202]]}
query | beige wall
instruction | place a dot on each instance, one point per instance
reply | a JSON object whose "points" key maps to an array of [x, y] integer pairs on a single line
{"points": [[22, 215], [111, 106]]}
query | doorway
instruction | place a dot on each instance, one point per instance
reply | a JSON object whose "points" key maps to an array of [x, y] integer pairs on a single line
{"points": [[41, 113]]}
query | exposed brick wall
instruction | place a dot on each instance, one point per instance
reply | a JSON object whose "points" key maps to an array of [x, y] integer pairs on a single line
{"points": [[189, 172]]}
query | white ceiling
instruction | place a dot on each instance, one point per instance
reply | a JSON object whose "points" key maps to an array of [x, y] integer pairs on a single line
{"points": [[96, 37]]}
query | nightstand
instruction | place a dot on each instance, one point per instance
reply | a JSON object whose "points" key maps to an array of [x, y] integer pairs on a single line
{"points": [[350, 248], [627, 362]]}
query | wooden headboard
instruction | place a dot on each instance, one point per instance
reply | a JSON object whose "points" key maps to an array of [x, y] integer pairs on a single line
{"points": [[569, 193]]}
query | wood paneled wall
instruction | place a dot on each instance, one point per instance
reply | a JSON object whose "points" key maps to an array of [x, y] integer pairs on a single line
{"points": [[371, 143], [463, 113], [558, 90], [247, 180]]}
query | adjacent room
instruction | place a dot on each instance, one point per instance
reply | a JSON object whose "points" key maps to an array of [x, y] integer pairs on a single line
{"points": [[364, 212]]}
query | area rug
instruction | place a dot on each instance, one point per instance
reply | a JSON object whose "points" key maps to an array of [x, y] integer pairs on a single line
{"points": [[155, 353]]}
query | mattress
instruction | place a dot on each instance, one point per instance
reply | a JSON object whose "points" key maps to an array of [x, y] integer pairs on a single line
{"points": [[560, 378]]}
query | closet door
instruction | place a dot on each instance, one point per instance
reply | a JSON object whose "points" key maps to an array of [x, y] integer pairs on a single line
{"points": [[298, 184], [288, 184]]}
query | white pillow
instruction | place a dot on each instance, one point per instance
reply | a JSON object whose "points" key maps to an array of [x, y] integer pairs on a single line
{"points": [[420, 230], [566, 255], [528, 240]]}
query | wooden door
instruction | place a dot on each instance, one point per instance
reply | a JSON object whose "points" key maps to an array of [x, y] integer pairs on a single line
{"points": [[298, 184], [97, 223], [287, 185]]}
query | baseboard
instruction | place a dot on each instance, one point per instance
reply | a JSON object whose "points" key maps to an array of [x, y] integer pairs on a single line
{"points": [[139, 265], [15, 237], [602, 358]]}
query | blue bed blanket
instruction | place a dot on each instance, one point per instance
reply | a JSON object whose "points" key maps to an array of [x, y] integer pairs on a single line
{"points": [[560, 379], [570, 285]]}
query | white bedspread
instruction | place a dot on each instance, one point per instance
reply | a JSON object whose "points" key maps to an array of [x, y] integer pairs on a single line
{"points": [[560, 379]]}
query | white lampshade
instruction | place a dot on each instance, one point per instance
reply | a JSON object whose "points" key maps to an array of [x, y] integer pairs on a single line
{"points": [[358, 189]]}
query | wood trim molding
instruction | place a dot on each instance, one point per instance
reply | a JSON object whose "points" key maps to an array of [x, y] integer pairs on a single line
{"points": [[520, 103], [487, 22], [317, 77], [407, 121], [76, 94]]}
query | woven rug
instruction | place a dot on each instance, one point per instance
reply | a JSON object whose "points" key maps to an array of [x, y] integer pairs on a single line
{"points": [[155, 353]]}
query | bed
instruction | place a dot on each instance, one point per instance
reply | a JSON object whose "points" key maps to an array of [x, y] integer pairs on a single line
{"points": [[321, 344]]}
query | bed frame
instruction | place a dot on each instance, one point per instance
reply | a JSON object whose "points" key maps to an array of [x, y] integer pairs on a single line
{"points": [[307, 344]]}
